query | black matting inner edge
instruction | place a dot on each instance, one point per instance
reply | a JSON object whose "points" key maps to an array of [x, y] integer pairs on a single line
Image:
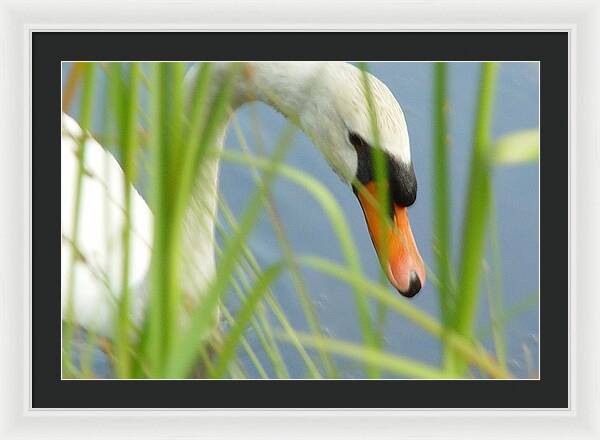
{"points": [[549, 48]]}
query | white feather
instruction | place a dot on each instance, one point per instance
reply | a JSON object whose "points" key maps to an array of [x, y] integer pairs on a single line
{"points": [[97, 271]]}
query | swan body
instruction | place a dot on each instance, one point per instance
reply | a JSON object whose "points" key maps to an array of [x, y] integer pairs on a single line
{"points": [[97, 267], [327, 101]]}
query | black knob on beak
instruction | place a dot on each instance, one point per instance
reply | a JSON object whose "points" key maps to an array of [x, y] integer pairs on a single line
{"points": [[414, 286]]}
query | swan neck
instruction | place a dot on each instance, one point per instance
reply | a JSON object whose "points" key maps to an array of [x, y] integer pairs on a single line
{"points": [[280, 85]]}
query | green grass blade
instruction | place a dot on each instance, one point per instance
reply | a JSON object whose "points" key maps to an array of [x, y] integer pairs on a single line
{"points": [[247, 347], [378, 359], [174, 116], [496, 303], [262, 325], [85, 124], [243, 318], [441, 204], [127, 103], [175, 144], [259, 322], [475, 217], [441, 195], [477, 209], [521, 306], [517, 148], [152, 345], [201, 114], [205, 129]]}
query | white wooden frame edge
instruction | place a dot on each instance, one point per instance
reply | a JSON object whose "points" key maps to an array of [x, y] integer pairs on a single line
{"points": [[17, 19]]}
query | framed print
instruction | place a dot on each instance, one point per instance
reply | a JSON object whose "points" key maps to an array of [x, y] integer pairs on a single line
{"points": [[224, 314], [276, 225]]}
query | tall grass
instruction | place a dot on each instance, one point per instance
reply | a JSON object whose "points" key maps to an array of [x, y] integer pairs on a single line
{"points": [[179, 336], [125, 103], [478, 205], [441, 202], [476, 213], [87, 93]]}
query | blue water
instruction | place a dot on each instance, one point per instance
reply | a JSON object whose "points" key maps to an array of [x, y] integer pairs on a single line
{"points": [[516, 191]]}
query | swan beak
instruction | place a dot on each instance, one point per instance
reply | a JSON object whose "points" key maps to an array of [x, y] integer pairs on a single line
{"points": [[394, 243]]}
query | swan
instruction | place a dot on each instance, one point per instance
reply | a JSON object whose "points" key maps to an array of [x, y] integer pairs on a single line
{"points": [[329, 103]]}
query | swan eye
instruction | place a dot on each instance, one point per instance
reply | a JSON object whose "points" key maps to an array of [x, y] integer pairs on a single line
{"points": [[357, 141], [364, 171], [400, 176]]}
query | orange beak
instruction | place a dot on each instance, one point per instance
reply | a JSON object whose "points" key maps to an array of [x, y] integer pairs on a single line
{"points": [[394, 243]]}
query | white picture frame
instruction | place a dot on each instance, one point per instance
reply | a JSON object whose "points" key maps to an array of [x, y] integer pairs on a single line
{"points": [[580, 18]]}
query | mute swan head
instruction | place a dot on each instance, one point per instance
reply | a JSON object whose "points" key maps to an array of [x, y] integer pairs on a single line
{"points": [[329, 102]]}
